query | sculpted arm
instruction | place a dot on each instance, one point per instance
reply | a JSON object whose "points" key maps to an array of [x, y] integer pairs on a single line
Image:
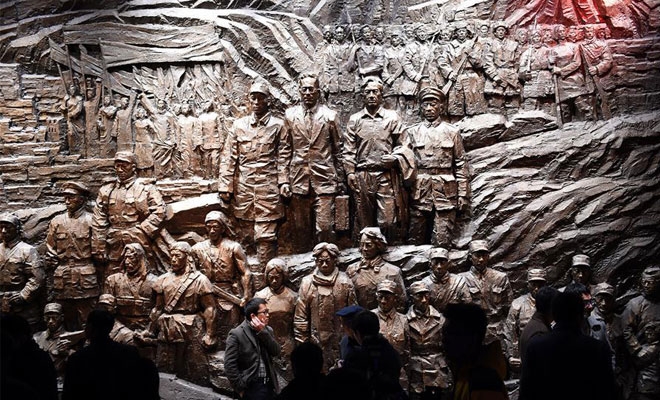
{"points": [[156, 212], [228, 163], [36, 275], [100, 224], [461, 170], [240, 260], [301, 320], [209, 314], [337, 147]]}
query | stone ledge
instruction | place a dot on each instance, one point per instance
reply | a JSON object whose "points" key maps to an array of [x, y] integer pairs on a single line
{"points": [[173, 388]]}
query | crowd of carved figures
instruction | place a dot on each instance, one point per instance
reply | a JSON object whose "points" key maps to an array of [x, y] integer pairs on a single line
{"points": [[482, 66], [181, 318], [370, 149]]}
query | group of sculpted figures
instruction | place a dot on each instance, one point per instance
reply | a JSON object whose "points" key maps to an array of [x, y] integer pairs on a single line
{"points": [[480, 66], [180, 317]]}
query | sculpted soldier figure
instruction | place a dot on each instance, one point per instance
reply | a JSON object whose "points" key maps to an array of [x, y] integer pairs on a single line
{"points": [[372, 166], [186, 126], [460, 65], [144, 137], [126, 211], [316, 171], [598, 60], [224, 262], [580, 271], [106, 126], [255, 170], [184, 318], [51, 340], [604, 319], [91, 107], [133, 288], [393, 325], [123, 125], [642, 313], [501, 69], [119, 333], [336, 80], [417, 60], [372, 269], [74, 282], [444, 287], [281, 302], [21, 273], [441, 187], [369, 55], [570, 79], [490, 289], [73, 110], [429, 373], [213, 135], [521, 312], [393, 75], [535, 71], [322, 293], [164, 124]]}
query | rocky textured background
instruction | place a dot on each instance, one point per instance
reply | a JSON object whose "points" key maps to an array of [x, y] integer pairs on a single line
{"points": [[540, 194]]}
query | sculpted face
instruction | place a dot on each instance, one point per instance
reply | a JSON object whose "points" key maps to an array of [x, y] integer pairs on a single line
{"points": [[53, 321], [368, 248], [214, 230], [650, 286], [309, 91], [534, 286], [386, 301], [132, 262], [8, 232], [500, 32], [480, 259], [373, 96], [275, 280], [572, 34], [605, 303], [73, 202], [431, 109], [325, 262], [178, 260], [258, 103], [581, 274], [340, 34], [483, 31], [396, 40], [368, 34], [522, 36], [107, 100], [461, 34], [421, 301], [439, 267], [124, 169]]}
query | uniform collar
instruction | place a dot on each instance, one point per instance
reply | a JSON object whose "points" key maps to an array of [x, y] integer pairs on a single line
{"points": [[263, 121]]}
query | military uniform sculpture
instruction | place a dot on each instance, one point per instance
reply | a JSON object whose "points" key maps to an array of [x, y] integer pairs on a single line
{"points": [[127, 211], [22, 276], [53, 339], [444, 287], [74, 283], [255, 170], [442, 186]]}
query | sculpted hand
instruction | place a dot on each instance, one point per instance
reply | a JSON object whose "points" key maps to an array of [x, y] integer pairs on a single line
{"points": [[244, 300], [208, 342], [285, 190], [462, 204], [352, 183], [388, 160], [62, 346], [224, 196], [16, 299], [593, 71]]}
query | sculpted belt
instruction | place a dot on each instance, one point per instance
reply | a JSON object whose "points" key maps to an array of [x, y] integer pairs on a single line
{"points": [[435, 171]]}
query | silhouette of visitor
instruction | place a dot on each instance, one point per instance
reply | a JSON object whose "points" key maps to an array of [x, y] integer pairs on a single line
{"points": [[307, 364]]}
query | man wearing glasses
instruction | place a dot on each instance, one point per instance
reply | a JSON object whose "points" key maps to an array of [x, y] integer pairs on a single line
{"points": [[251, 347]]}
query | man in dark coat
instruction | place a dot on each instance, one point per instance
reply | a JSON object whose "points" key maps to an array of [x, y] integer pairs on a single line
{"points": [[541, 319], [566, 363], [251, 347]]}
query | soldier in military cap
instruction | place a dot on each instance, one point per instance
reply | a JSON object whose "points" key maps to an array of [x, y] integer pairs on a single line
{"points": [[126, 211], [224, 262], [442, 186], [22, 276], [490, 289], [605, 324], [580, 271], [429, 372], [255, 171], [72, 275], [393, 325], [51, 340], [642, 312], [521, 312], [444, 287]]}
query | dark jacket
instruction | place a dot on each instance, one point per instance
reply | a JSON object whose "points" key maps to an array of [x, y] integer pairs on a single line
{"points": [[566, 364], [536, 326], [242, 355]]}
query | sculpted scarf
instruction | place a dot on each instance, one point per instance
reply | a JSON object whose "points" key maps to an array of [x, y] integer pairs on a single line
{"points": [[325, 280]]}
